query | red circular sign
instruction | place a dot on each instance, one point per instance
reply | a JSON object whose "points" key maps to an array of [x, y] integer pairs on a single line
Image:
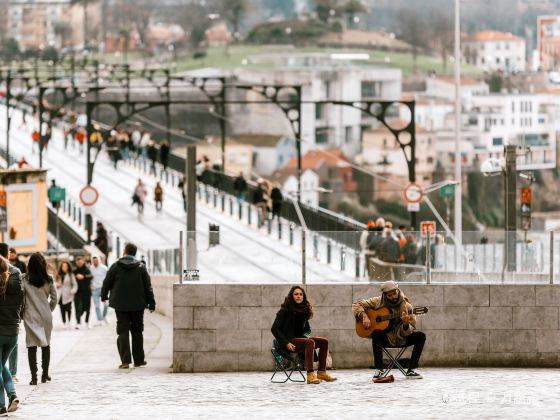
{"points": [[413, 193], [89, 195]]}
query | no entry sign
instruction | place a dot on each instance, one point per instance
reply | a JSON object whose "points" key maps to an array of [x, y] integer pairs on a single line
{"points": [[89, 196]]}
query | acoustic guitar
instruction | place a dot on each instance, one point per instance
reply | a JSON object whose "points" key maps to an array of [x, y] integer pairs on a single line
{"points": [[380, 319]]}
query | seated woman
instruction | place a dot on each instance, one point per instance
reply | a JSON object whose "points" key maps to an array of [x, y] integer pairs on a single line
{"points": [[293, 333]]}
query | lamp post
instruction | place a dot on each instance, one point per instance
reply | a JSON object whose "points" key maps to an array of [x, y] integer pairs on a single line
{"points": [[458, 178]]}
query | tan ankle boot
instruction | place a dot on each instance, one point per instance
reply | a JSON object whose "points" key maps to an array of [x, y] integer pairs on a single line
{"points": [[324, 376], [312, 379]]}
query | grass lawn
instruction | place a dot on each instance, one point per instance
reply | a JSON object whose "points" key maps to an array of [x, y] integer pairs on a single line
{"points": [[239, 55]]}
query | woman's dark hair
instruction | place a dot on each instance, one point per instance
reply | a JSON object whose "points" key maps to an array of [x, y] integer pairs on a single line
{"points": [[37, 270], [61, 273], [291, 305]]}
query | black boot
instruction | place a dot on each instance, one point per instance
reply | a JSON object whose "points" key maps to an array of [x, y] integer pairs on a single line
{"points": [[32, 358], [45, 361]]}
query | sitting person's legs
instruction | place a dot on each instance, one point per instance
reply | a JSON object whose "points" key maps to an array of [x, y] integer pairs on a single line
{"points": [[416, 339], [378, 341], [307, 346], [323, 345]]}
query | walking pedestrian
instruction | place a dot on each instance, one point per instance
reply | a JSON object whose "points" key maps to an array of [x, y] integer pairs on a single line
{"points": [[40, 301], [15, 275], [11, 304], [153, 156], [277, 200], [16, 262], [99, 271], [158, 196], [164, 154], [101, 241], [82, 299], [129, 290], [182, 186], [240, 186], [68, 286], [139, 196]]}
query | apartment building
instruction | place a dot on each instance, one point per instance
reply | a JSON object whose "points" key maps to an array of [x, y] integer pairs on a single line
{"points": [[495, 51]]}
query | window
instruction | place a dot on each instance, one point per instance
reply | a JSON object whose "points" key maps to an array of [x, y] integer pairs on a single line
{"points": [[497, 141], [328, 89], [482, 61], [348, 134], [497, 60], [430, 160], [321, 137], [370, 89], [319, 111], [512, 106]]}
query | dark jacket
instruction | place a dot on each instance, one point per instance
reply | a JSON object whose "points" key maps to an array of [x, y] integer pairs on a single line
{"points": [[240, 185], [84, 285], [128, 283], [276, 195], [285, 327], [20, 265], [101, 241], [11, 305]]}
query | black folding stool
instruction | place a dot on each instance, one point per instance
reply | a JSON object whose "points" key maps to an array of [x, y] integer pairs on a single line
{"points": [[395, 362], [288, 363]]}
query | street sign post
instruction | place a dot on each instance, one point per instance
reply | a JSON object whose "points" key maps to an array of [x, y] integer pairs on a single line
{"points": [[427, 228], [526, 200], [447, 191], [57, 194]]}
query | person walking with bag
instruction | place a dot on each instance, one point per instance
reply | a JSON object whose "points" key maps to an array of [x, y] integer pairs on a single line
{"points": [[129, 290], [68, 286], [40, 301], [11, 304]]}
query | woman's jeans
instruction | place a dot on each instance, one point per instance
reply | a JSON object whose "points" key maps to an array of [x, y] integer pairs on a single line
{"points": [[7, 345], [97, 303], [308, 345]]}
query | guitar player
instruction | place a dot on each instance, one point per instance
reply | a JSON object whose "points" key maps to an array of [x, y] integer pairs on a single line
{"points": [[401, 331]]}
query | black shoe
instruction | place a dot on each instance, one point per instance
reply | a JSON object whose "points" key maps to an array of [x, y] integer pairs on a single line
{"points": [[378, 374], [3, 412], [33, 381], [45, 378], [14, 402], [144, 363], [413, 375]]}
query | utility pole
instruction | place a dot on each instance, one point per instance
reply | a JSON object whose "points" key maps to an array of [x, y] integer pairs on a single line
{"points": [[190, 174], [510, 189], [458, 177]]}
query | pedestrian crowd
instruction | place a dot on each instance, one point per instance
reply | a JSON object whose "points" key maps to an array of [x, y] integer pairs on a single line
{"points": [[30, 292]]}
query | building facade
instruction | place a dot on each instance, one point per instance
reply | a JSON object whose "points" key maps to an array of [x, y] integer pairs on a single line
{"points": [[495, 51]]}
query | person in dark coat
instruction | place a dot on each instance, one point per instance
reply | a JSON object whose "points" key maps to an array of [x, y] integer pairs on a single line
{"points": [[292, 332], [239, 187], [11, 306], [16, 262], [128, 288], [153, 156], [277, 199], [182, 186], [164, 154], [82, 299], [101, 241]]}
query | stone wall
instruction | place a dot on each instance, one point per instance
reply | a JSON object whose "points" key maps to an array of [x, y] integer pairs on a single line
{"points": [[163, 292], [219, 327]]}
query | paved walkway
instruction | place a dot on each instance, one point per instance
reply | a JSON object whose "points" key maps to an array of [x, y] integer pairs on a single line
{"points": [[86, 384]]}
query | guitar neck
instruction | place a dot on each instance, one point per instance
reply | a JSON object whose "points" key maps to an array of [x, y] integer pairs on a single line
{"points": [[391, 316]]}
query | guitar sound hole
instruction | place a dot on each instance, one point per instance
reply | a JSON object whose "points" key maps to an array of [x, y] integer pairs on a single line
{"points": [[378, 319]]}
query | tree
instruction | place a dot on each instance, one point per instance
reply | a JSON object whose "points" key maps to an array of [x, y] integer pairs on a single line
{"points": [[352, 9], [10, 49], [326, 9], [84, 4], [232, 10], [412, 29], [442, 32]]}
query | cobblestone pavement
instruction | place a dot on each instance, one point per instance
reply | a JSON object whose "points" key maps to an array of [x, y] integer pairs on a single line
{"points": [[86, 384]]}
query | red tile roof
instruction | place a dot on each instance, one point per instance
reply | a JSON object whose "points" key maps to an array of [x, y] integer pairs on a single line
{"points": [[315, 158], [489, 36]]}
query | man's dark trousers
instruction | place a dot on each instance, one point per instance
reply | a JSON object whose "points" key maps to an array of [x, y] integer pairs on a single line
{"points": [[130, 322], [379, 340]]}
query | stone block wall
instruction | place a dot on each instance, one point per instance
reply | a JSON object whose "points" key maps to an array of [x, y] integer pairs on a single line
{"points": [[223, 327], [163, 292]]}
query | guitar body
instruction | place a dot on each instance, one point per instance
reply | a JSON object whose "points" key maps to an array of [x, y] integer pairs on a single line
{"points": [[381, 319], [377, 323]]}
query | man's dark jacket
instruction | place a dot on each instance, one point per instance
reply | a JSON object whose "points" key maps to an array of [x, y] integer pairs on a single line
{"points": [[128, 283], [11, 305]]}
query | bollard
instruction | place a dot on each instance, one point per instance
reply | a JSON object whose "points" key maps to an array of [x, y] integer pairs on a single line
{"points": [[315, 246], [199, 190], [118, 247], [279, 230], [231, 206], [358, 264], [73, 212], [167, 177], [551, 257], [69, 207], [240, 210], [269, 226], [342, 258], [329, 249], [215, 200], [249, 214], [291, 234], [223, 202], [80, 216]]}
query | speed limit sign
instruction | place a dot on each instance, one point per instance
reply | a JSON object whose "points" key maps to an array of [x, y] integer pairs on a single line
{"points": [[413, 193]]}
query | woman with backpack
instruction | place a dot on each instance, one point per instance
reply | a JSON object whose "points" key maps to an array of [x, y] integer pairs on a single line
{"points": [[11, 303], [40, 301]]}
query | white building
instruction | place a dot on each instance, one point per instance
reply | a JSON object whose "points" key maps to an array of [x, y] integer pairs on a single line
{"points": [[310, 184], [324, 77], [443, 87], [495, 51]]}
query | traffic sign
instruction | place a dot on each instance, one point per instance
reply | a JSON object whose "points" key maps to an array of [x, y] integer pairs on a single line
{"points": [[447, 191], [57, 194], [413, 193], [426, 227], [413, 207], [89, 195], [526, 195]]}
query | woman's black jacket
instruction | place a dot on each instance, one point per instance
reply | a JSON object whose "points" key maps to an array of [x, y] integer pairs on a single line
{"points": [[285, 329]]}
